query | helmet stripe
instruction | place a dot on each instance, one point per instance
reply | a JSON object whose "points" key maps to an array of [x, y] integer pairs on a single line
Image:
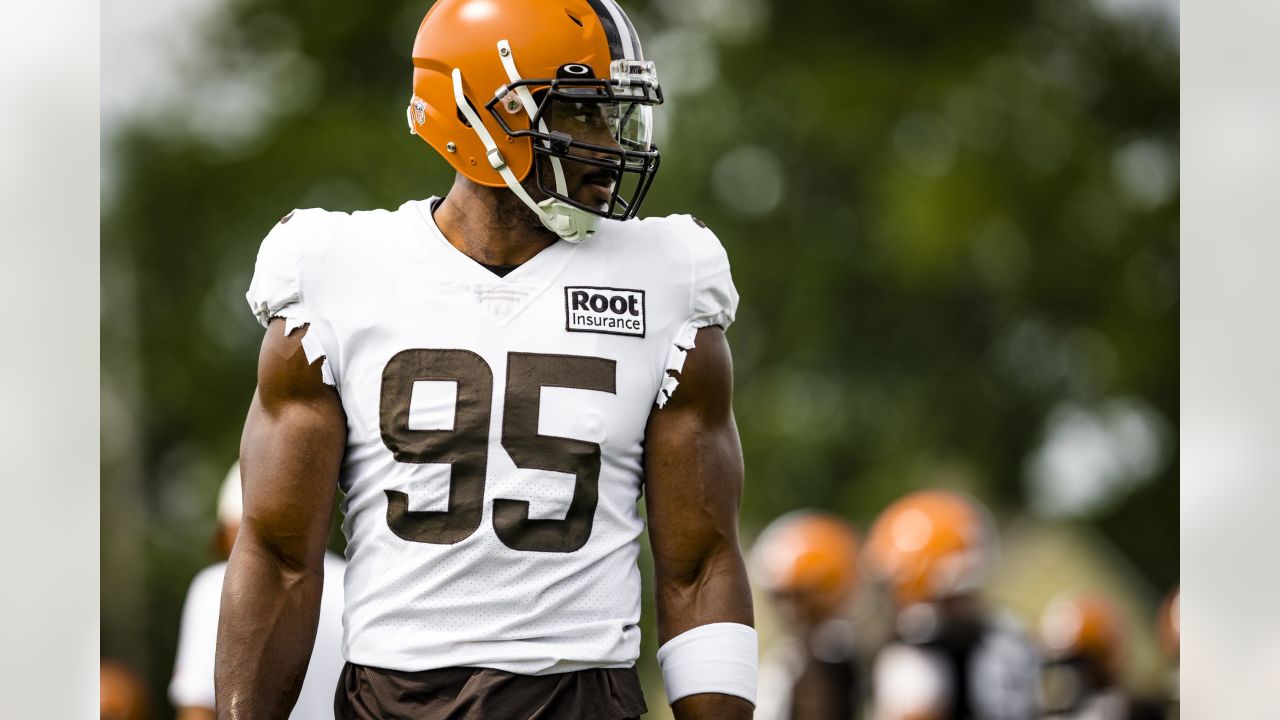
{"points": [[636, 52], [616, 30]]}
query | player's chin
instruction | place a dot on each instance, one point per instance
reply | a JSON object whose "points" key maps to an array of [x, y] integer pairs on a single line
{"points": [[594, 195]]}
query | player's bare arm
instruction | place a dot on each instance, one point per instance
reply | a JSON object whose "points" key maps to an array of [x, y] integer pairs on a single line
{"points": [[290, 454], [694, 474]]}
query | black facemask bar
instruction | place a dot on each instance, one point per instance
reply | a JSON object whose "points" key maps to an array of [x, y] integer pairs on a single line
{"points": [[633, 168]]}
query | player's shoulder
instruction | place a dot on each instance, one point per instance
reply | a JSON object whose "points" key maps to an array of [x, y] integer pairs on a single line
{"points": [[298, 234], [679, 239], [309, 224], [680, 225], [681, 229], [311, 229], [317, 239]]}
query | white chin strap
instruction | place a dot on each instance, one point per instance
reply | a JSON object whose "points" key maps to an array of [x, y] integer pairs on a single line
{"points": [[570, 223]]}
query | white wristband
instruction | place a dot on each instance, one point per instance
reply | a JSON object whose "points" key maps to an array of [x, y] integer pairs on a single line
{"points": [[715, 658]]}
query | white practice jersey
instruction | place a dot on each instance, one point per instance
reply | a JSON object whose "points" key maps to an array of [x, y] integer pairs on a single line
{"points": [[495, 425], [192, 683]]}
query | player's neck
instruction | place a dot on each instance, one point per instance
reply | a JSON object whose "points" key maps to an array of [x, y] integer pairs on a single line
{"points": [[476, 221]]}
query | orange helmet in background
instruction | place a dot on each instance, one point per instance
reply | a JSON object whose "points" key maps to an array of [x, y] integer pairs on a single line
{"points": [[929, 546], [486, 72], [811, 556], [122, 693], [1087, 627], [1169, 625]]}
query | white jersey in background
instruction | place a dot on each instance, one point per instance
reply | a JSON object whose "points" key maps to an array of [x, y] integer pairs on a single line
{"points": [[192, 683], [993, 675], [495, 425]]}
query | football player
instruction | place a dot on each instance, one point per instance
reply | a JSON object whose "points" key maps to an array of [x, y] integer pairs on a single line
{"points": [[807, 562], [951, 657], [191, 689], [493, 377], [1084, 642]]}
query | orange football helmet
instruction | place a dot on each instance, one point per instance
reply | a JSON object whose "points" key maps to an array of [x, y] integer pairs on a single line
{"points": [[930, 545], [122, 693], [812, 556], [486, 73], [1084, 626]]}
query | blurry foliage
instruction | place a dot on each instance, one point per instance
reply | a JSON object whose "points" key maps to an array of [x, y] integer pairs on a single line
{"points": [[945, 220]]}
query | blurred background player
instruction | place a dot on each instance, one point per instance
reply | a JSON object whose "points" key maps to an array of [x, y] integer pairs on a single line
{"points": [[950, 657], [1083, 639], [191, 689], [807, 562], [1085, 645], [122, 693]]}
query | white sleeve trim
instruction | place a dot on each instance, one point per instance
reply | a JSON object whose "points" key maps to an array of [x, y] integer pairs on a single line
{"points": [[676, 355], [295, 318], [718, 658], [276, 290]]}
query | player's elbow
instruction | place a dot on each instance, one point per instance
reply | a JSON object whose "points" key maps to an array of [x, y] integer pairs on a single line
{"points": [[684, 578], [712, 588], [291, 554]]}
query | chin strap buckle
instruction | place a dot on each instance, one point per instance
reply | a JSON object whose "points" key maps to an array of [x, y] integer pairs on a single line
{"points": [[496, 160]]}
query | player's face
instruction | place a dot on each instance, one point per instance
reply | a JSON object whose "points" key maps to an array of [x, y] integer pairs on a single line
{"points": [[593, 123]]}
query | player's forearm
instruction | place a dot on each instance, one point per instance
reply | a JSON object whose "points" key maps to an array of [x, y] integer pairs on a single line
{"points": [[713, 591], [267, 626]]}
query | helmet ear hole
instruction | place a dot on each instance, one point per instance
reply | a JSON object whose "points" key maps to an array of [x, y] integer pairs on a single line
{"points": [[463, 118]]}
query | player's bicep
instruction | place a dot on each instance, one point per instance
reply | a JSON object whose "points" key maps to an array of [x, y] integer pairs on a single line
{"points": [[693, 463], [291, 451]]}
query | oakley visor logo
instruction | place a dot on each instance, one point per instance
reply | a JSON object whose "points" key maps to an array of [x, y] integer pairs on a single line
{"points": [[574, 70]]}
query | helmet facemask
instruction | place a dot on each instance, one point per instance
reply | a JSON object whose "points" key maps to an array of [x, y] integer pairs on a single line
{"points": [[617, 120], [601, 128]]}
